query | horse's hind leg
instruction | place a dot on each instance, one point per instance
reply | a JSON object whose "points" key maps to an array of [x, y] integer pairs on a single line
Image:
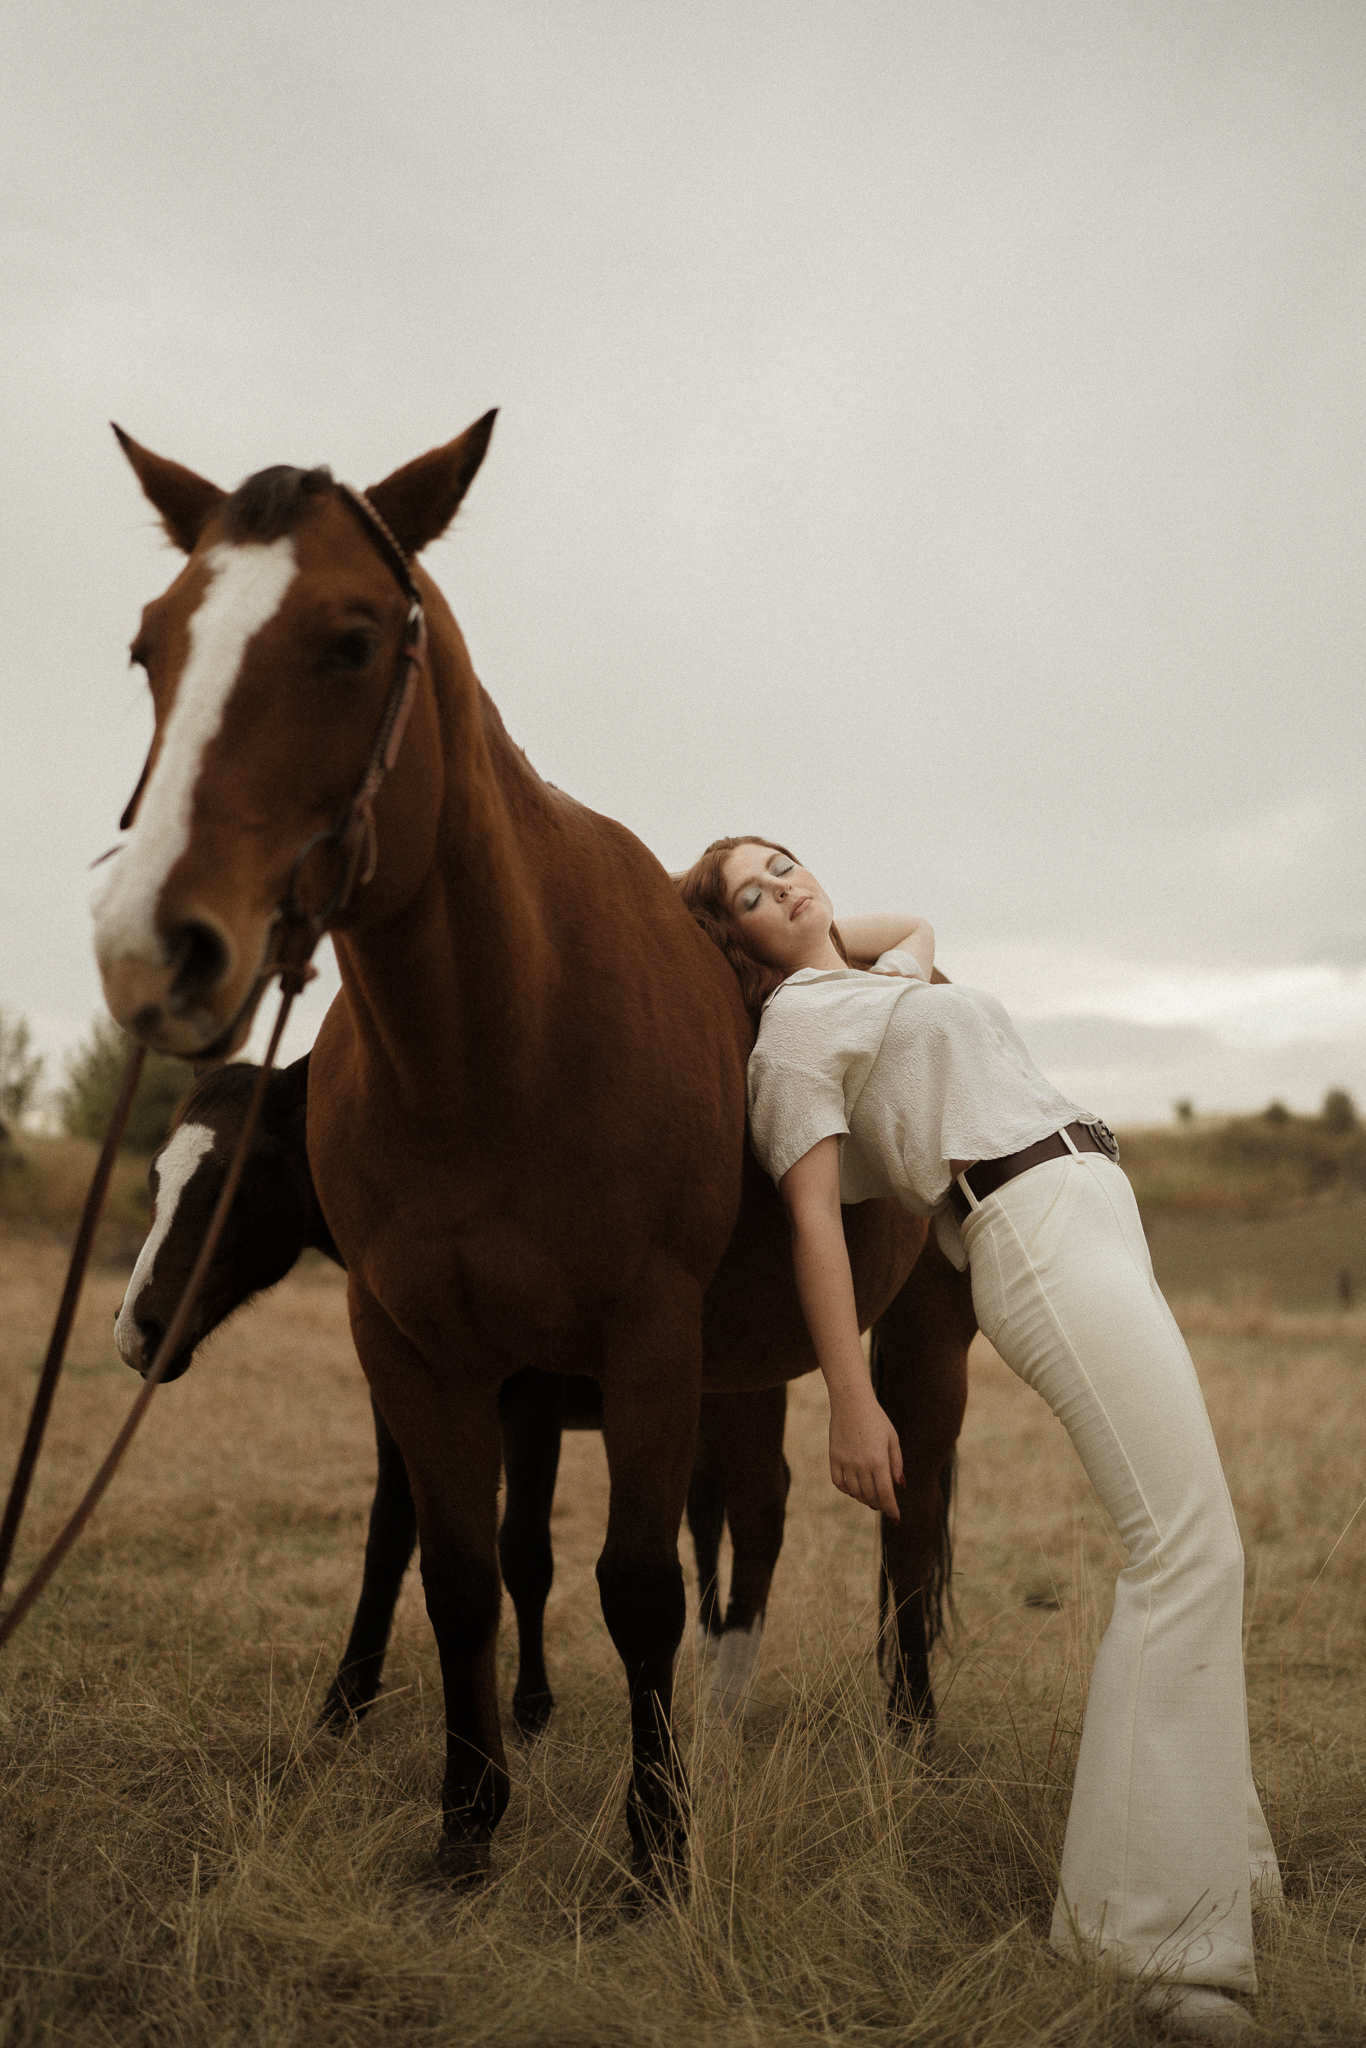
{"points": [[652, 1364], [388, 1550], [747, 1432], [706, 1520], [530, 1410], [920, 1363]]}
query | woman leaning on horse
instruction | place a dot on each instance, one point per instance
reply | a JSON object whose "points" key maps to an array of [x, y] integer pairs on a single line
{"points": [[867, 1080]]}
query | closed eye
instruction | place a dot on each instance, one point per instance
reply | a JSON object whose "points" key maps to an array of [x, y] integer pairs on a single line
{"points": [[349, 653], [781, 865]]}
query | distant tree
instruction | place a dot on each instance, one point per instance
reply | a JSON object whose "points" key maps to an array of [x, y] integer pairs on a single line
{"points": [[1185, 1109], [1339, 1112], [93, 1073], [1276, 1113], [21, 1068]]}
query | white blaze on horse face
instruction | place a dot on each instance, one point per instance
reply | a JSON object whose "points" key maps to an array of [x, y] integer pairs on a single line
{"points": [[176, 1163], [246, 587]]}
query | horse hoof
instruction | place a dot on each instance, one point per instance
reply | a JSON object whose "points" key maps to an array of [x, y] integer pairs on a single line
{"points": [[461, 1863], [655, 1881], [910, 1720], [341, 1714], [531, 1713], [659, 1856]]}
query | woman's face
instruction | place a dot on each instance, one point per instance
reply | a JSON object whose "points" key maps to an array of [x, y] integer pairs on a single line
{"points": [[781, 912]]}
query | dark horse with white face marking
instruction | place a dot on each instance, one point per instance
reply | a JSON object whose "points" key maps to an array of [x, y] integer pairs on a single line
{"points": [[526, 1122], [273, 1219]]}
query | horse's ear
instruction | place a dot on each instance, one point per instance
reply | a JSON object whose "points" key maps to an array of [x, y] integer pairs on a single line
{"points": [[184, 500], [419, 501], [294, 1081]]}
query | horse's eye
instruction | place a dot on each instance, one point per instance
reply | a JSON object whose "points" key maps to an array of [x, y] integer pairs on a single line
{"points": [[349, 653]]}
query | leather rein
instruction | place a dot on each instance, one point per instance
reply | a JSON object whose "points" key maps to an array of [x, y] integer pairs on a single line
{"points": [[296, 934]]}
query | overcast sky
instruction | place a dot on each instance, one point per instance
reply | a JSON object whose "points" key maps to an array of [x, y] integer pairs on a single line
{"points": [[930, 434]]}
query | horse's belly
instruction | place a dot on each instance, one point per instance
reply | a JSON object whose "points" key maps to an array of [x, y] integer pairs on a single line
{"points": [[753, 1330]]}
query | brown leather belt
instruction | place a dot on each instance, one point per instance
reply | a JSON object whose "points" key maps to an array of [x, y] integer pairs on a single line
{"points": [[989, 1174]]}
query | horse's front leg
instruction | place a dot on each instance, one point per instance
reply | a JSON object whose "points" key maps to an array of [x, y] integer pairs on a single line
{"points": [[388, 1552], [652, 1363], [446, 1425], [531, 1410]]}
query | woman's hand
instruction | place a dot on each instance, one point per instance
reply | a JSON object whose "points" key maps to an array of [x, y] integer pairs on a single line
{"points": [[867, 937], [865, 1451]]}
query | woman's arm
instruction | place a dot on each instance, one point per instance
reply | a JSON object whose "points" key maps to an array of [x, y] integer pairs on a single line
{"points": [[865, 1454], [878, 932]]}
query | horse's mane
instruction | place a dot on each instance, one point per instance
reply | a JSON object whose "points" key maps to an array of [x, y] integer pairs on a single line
{"points": [[269, 503]]}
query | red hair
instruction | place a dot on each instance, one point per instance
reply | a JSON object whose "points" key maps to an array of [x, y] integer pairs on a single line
{"points": [[703, 889]]}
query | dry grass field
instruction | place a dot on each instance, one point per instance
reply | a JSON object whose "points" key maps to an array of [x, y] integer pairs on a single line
{"points": [[182, 1861]]}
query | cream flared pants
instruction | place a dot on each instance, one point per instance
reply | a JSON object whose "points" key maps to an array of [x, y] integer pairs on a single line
{"points": [[1166, 1845]]}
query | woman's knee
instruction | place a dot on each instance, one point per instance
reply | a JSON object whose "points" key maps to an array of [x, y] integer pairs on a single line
{"points": [[1208, 1546]]}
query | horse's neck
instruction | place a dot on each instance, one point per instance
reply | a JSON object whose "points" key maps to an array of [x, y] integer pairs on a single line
{"points": [[458, 982]]}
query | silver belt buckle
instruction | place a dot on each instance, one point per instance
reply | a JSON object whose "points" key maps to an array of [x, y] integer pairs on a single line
{"points": [[1105, 1138]]}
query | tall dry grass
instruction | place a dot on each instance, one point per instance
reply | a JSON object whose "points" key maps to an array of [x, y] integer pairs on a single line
{"points": [[182, 1861]]}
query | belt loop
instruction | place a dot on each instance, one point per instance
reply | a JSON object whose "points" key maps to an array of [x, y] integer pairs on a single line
{"points": [[1066, 1137], [968, 1195]]}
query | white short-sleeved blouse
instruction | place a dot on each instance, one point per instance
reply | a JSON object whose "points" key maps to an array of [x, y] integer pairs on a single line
{"points": [[907, 1074]]}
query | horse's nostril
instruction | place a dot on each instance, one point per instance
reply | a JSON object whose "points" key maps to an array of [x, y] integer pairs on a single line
{"points": [[201, 958], [151, 1333]]}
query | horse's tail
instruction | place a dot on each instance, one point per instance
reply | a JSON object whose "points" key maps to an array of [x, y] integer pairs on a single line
{"points": [[940, 1608]]}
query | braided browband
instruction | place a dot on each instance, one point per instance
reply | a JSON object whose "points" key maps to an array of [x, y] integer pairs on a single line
{"points": [[381, 532]]}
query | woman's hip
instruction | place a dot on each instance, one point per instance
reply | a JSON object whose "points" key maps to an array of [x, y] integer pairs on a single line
{"points": [[1063, 1287]]}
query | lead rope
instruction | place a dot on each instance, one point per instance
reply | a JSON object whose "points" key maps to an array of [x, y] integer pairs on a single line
{"points": [[66, 1313], [292, 979]]}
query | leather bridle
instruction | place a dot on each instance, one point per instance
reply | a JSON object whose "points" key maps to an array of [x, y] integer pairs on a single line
{"points": [[295, 938], [353, 835]]}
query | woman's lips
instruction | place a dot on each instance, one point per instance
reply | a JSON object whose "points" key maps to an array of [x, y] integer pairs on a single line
{"points": [[800, 905]]}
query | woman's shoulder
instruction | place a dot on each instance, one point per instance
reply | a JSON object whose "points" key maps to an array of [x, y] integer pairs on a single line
{"points": [[817, 1013]]}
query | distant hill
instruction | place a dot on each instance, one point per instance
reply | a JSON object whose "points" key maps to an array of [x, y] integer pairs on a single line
{"points": [[1243, 1165], [1267, 1209]]}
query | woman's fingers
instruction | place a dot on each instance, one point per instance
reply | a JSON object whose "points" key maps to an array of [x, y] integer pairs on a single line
{"points": [[873, 1487], [865, 1454]]}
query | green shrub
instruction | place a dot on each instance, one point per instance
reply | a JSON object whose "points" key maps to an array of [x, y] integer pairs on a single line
{"points": [[21, 1068], [1339, 1112], [94, 1072]]}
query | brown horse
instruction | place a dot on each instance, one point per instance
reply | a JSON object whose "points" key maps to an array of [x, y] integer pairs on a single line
{"points": [[526, 1122]]}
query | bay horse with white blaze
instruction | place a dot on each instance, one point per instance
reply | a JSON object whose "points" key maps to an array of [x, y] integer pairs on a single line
{"points": [[526, 1122]]}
